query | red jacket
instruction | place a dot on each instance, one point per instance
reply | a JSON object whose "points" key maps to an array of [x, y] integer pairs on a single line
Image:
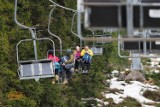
{"points": [[53, 58]]}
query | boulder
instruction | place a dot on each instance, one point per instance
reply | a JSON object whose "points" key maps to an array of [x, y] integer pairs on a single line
{"points": [[135, 76]]}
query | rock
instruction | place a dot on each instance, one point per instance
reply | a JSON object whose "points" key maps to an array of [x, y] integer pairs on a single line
{"points": [[122, 77], [135, 76], [115, 73], [156, 71], [149, 81], [126, 69]]}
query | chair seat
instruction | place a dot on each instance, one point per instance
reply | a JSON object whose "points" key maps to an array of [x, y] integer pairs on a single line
{"points": [[36, 69]]}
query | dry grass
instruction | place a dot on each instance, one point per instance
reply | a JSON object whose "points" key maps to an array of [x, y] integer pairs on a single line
{"points": [[153, 95]]}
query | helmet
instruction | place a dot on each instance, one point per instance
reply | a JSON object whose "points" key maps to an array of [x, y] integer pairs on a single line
{"points": [[50, 52], [68, 51]]}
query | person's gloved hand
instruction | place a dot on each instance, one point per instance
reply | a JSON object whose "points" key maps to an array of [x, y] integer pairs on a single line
{"points": [[87, 52]]}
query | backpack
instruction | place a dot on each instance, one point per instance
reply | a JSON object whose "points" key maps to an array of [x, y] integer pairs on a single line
{"points": [[64, 59], [86, 58], [57, 66], [69, 66]]}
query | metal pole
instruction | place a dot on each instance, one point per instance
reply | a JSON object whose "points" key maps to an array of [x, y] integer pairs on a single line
{"points": [[49, 24], [33, 33], [15, 17], [129, 12], [79, 21], [145, 43]]}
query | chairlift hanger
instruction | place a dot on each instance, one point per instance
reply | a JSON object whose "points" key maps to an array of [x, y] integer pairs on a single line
{"points": [[69, 9], [49, 24]]}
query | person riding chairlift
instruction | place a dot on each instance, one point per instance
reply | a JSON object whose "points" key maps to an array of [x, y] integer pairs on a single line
{"points": [[67, 65], [77, 56], [86, 55], [56, 63]]}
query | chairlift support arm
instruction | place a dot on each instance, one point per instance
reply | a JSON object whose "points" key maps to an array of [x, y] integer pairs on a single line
{"points": [[75, 12], [33, 33]]}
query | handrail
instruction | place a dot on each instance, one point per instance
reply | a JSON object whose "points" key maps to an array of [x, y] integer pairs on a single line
{"points": [[49, 24]]}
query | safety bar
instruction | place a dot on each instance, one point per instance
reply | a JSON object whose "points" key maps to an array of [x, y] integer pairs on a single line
{"points": [[26, 40], [140, 55]]}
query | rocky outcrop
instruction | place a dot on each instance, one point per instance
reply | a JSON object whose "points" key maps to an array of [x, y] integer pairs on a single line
{"points": [[135, 76]]}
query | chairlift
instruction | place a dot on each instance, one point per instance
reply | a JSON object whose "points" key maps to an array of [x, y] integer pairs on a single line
{"points": [[97, 46], [34, 69], [136, 62], [37, 68], [144, 48]]}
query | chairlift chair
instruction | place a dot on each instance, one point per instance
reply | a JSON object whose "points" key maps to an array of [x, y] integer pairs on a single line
{"points": [[97, 47], [136, 63], [34, 69], [37, 68], [151, 47]]}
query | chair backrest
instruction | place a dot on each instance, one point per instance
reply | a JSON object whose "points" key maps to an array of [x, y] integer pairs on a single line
{"points": [[36, 69], [97, 50], [136, 62]]}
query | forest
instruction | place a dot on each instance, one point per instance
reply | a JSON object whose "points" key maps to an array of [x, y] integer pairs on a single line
{"points": [[29, 93]]}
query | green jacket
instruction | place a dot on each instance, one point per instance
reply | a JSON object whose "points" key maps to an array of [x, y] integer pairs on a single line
{"points": [[71, 60]]}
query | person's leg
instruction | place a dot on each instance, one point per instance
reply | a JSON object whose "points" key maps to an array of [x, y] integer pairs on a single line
{"points": [[83, 64], [64, 75], [88, 66], [71, 72], [56, 73], [76, 64], [68, 74]]}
